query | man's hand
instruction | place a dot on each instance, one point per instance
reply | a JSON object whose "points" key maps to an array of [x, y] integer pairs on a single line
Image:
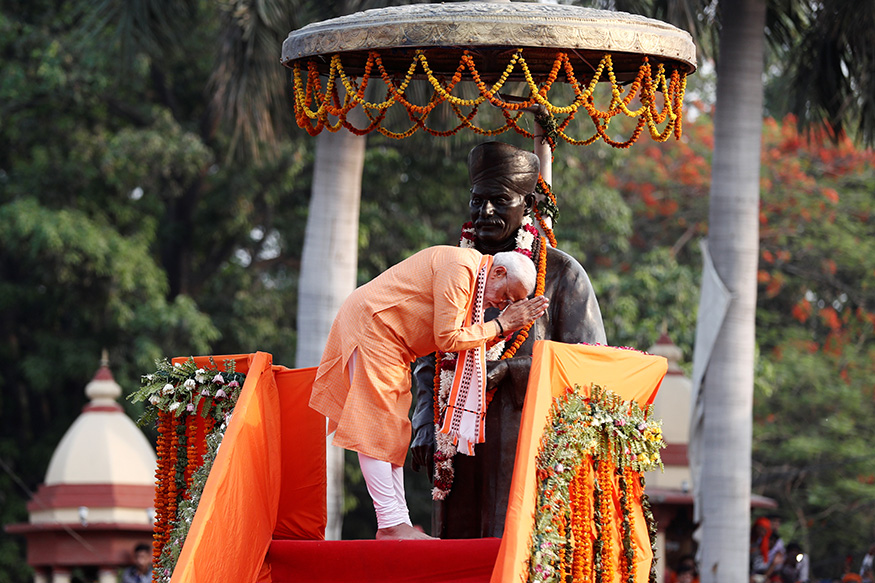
{"points": [[520, 313]]}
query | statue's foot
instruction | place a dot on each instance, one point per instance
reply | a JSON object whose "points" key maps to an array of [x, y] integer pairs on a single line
{"points": [[402, 532]]}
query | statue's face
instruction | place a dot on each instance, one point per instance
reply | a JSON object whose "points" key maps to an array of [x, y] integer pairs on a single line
{"points": [[497, 213]]}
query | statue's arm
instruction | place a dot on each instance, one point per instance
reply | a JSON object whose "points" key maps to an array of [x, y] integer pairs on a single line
{"points": [[574, 310], [422, 446]]}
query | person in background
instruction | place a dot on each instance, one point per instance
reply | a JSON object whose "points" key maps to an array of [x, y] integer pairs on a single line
{"points": [[767, 551], [867, 569], [795, 566], [141, 570]]}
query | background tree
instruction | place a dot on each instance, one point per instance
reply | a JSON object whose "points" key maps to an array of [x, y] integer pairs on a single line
{"points": [[813, 42], [125, 223], [813, 395]]}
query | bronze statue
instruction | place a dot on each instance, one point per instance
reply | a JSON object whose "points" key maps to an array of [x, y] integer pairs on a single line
{"points": [[503, 180]]}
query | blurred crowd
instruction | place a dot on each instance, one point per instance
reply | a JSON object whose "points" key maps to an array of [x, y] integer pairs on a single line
{"points": [[773, 561]]}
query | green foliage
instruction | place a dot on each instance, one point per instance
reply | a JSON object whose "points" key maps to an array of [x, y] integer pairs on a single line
{"points": [[413, 195], [647, 297], [123, 224], [814, 400]]}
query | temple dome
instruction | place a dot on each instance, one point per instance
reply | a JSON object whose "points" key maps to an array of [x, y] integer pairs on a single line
{"points": [[96, 503], [103, 446]]}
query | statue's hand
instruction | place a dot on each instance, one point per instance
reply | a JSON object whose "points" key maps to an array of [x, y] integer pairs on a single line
{"points": [[496, 370], [422, 457], [422, 449]]}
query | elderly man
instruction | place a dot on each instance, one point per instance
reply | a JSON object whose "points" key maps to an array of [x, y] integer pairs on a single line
{"points": [[503, 180], [434, 300]]}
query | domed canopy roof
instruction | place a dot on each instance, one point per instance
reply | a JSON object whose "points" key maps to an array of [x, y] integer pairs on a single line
{"points": [[103, 446]]}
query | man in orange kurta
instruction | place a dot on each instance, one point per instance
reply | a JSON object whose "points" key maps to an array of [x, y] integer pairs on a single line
{"points": [[416, 307]]}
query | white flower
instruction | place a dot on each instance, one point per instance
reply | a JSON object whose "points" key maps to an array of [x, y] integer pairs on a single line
{"points": [[175, 405], [200, 375], [496, 351], [168, 389], [150, 377], [189, 384], [177, 365], [524, 239], [154, 399]]}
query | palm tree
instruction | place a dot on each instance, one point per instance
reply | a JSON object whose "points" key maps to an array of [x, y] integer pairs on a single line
{"points": [[328, 270], [733, 233]]}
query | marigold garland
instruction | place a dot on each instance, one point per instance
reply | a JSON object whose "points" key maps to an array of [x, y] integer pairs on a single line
{"points": [[628, 544], [162, 473], [308, 92], [606, 562], [592, 451], [547, 210], [652, 530], [181, 398], [191, 457]]}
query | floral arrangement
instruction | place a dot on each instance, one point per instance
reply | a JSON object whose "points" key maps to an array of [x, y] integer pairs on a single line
{"points": [[593, 451], [191, 406]]}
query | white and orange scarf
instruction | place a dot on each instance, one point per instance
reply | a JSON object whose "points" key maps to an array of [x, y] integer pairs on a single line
{"points": [[464, 418]]}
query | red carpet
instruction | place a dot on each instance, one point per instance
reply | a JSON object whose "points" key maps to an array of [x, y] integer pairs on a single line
{"points": [[364, 561]]}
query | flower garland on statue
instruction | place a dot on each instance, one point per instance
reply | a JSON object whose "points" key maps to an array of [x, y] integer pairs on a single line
{"points": [[532, 245], [592, 447], [186, 401]]}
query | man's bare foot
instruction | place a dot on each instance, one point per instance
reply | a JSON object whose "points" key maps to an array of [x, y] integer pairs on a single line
{"points": [[402, 532]]}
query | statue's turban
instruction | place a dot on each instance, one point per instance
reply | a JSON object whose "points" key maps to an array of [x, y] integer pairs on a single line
{"points": [[503, 165]]}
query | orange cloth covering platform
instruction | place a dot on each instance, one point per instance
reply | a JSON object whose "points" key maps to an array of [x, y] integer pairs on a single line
{"points": [[370, 561], [268, 480], [267, 484]]}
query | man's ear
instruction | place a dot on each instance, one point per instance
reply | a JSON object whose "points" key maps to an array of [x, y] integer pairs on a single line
{"points": [[499, 271], [530, 201]]}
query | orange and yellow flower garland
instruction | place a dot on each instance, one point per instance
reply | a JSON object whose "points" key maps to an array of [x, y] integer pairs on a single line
{"points": [[580, 497], [645, 87]]}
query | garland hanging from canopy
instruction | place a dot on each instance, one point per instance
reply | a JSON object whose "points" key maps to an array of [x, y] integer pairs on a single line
{"points": [[475, 53]]}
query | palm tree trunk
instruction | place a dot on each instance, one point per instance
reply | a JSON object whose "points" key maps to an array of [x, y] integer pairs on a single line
{"points": [[734, 242], [328, 270]]}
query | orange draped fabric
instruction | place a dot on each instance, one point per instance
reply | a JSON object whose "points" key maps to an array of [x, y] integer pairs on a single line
{"points": [[632, 375], [268, 479]]}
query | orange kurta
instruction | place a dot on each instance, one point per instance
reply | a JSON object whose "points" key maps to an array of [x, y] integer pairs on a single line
{"points": [[411, 310]]}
